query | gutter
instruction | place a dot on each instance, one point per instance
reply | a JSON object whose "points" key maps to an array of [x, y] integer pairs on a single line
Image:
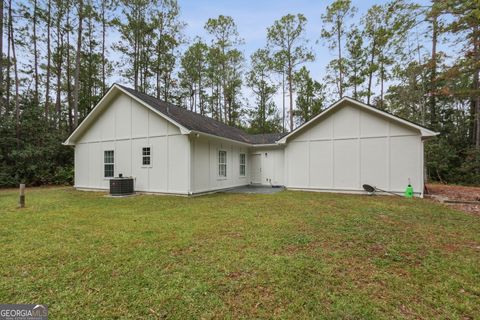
{"points": [[199, 133], [267, 145]]}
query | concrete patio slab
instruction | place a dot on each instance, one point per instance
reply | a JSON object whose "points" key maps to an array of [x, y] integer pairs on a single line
{"points": [[256, 189]]}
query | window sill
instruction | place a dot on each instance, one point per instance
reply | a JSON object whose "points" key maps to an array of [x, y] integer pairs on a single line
{"points": [[221, 178]]}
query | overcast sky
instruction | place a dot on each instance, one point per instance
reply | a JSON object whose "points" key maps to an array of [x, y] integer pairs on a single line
{"points": [[253, 17]]}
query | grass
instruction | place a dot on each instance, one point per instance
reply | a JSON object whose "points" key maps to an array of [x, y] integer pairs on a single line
{"points": [[287, 255]]}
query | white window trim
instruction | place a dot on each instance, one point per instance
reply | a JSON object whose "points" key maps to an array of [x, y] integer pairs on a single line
{"points": [[218, 164], [151, 158], [244, 175], [108, 178]]}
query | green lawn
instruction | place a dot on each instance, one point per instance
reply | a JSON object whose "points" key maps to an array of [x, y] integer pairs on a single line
{"points": [[287, 255]]}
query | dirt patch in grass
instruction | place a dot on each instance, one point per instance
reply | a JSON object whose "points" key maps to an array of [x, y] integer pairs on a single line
{"points": [[455, 192], [440, 192]]}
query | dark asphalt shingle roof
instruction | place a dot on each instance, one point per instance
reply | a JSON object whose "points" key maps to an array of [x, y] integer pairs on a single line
{"points": [[197, 122], [265, 138]]}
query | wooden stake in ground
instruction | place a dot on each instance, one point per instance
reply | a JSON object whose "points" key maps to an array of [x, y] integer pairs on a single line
{"points": [[21, 201]]}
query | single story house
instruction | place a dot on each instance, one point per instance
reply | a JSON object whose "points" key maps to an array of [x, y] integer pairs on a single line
{"points": [[169, 149]]}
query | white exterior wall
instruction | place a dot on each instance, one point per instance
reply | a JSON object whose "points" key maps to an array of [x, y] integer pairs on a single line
{"points": [[125, 127], [351, 147], [272, 163], [204, 164]]}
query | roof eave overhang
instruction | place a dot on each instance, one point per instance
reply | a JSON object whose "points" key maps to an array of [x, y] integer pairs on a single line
{"points": [[266, 145], [200, 133], [427, 134]]}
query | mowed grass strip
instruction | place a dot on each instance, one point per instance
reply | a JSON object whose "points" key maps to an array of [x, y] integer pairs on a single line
{"points": [[286, 255]]}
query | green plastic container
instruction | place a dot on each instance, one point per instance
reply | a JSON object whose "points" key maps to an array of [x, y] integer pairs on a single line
{"points": [[409, 191]]}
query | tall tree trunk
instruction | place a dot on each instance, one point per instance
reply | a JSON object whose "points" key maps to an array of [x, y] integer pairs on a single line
{"points": [[9, 58], [193, 96], [433, 74], [104, 31], [224, 68], [35, 52], [166, 88], [290, 91], [158, 91], [263, 110], [49, 55], [423, 81], [135, 55], [283, 100], [219, 105], [370, 72], [225, 111], [200, 104], [68, 74], [1, 56], [58, 101], [355, 90], [340, 62], [91, 72], [382, 81], [76, 89], [158, 73], [476, 85], [15, 68]]}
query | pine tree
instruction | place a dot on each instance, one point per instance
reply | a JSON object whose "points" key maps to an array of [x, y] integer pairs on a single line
{"points": [[310, 96], [167, 36], [225, 38], [264, 117], [193, 73], [355, 63], [286, 39], [334, 32], [466, 24], [76, 89]]}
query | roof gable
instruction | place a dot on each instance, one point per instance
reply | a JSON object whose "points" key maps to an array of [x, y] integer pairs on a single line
{"points": [[425, 133], [109, 97]]}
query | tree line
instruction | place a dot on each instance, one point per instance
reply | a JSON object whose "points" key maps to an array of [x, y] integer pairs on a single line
{"points": [[58, 59]]}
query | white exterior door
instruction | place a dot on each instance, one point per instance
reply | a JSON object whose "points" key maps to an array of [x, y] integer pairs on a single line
{"points": [[256, 168]]}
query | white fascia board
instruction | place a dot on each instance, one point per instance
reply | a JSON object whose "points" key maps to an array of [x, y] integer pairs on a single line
{"points": [[218, 137], [267, 145]]}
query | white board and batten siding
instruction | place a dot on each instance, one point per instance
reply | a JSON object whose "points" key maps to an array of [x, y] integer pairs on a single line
{"points": [[205, 165], [126, 127], [271, 161], [352, 146]]}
